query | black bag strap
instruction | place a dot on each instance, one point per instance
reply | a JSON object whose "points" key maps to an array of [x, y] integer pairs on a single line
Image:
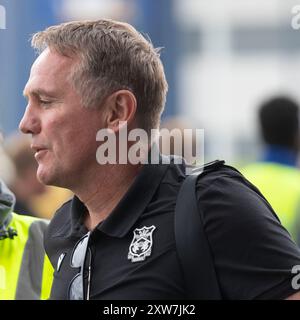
{"points": [[192, 245]]}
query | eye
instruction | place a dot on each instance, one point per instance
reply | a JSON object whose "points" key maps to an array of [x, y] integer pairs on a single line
{"points": [[45, 102]]}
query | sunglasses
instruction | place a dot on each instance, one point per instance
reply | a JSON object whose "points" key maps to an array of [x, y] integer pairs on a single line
{"points": [[80, 254]]}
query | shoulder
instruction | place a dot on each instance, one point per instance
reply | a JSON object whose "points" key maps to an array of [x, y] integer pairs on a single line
{"points": [[252, 251], [30, 232], [231, 196], [27, 222]]}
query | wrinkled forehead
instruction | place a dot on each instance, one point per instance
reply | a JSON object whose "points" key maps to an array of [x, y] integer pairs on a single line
{"points": [[52, 62], [51, 70]]}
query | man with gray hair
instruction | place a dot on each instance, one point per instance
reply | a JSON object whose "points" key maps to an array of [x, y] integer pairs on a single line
{"points": [[115, 239]]}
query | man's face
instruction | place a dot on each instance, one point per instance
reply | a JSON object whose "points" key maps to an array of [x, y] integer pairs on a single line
{"points": [[63, 131]]}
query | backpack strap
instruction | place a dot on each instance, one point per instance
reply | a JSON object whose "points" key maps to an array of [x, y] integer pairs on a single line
{"points": [[192, 245]]}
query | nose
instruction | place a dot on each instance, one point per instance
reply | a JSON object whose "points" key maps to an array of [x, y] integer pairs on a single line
{"points": [[30, 123]]}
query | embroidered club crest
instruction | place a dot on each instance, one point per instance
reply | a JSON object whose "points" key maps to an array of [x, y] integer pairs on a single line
{"points": [[141, 244]]}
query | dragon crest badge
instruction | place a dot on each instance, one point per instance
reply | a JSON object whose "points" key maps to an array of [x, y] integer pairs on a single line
{"points": [[141, 244]]}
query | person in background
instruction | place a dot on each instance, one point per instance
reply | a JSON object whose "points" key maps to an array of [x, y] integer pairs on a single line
{"points": [[25, 271], [32, 197], [25, 184], [276, 174], [7, 168]]}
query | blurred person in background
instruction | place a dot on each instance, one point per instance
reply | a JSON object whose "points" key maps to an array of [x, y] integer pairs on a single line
{"points": [[7, 168], [32, 197], [25, 184], [25, 271], [276, 174], [49, 201]]}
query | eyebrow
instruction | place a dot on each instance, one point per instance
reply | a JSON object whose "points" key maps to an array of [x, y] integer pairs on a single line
{"points": [[40, 92]]}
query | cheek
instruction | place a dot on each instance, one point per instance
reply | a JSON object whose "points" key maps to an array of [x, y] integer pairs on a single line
{"points": [[72, 135], [52, 130], [61, 134], [75, 145]]}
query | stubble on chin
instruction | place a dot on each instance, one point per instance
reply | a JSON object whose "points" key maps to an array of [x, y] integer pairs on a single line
{"points": [[46, 176]]}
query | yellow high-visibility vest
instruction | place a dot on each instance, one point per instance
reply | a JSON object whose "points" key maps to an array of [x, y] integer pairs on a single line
{"points": [[25, 271], [280, 184]]}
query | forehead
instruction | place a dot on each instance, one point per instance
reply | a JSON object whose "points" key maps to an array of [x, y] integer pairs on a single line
{"points": [[50, 71]]}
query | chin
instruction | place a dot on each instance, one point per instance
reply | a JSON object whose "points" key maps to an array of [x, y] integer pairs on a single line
{"points": [[46, 177]]}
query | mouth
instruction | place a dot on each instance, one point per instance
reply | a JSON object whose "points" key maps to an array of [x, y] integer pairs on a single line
{"points": [[39, 154], [37, 148], [39, 151]]}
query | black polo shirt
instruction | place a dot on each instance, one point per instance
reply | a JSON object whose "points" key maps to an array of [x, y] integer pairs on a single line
{"points": [[253, 253]]}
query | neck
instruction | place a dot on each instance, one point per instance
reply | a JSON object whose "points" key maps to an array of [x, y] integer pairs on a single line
{"points": [[104, 190]]}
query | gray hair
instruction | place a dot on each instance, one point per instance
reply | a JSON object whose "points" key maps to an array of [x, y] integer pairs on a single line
{"points": [[113, 56]]}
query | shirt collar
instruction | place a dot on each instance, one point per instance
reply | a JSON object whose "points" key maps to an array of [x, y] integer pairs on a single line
{"points": [[130, 207]]}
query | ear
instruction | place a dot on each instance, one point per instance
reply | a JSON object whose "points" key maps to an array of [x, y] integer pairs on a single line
{"points": [[121, 107]]}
